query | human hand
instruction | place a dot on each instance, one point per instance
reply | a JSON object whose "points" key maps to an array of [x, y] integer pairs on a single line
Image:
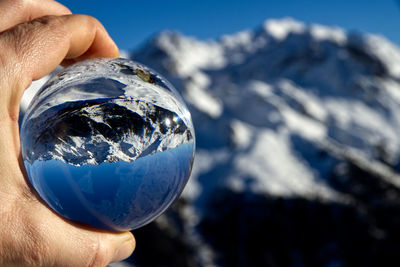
{"points": [[35, 37]]}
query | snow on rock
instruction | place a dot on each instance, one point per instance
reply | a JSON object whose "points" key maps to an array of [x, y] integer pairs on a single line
{"points": [[281, 28], [189, 54], [197, 96], [326, 33], [380, 48]]}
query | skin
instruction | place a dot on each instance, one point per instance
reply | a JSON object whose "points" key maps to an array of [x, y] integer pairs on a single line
{"points": [[35, 37]]}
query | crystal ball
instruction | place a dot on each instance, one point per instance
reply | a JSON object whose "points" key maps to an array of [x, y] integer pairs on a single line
{"points": [[109, 143]]}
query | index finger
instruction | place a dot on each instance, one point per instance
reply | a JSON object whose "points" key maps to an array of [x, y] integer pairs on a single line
{"points": [[14, 12], [33, 49]]}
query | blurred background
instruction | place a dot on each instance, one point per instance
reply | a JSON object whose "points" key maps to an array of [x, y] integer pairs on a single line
{"points": [[296, 106], [131, 23]]}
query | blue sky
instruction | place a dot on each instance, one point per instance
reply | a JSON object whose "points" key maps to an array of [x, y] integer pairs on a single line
{"points": [[130, 22]]}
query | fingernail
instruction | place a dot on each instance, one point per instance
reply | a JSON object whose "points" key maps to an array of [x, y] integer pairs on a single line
{"points": [[124, 251]]}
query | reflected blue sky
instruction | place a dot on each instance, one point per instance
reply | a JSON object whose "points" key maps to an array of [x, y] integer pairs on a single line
{"points": [[113, 195], [131, 22]]}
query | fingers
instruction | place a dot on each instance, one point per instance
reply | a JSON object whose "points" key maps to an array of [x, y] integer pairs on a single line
{"points": [[91, 41], [14, 12], [43, 43], [33, 49]]}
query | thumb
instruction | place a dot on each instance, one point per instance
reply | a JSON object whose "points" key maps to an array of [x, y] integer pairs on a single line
{"points": [[39, 237], [90, 247]]}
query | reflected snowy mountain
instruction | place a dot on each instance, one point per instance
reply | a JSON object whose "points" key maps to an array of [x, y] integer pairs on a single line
{"points": [[109, 143]]}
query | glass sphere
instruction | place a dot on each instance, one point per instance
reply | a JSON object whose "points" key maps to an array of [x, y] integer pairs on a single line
{"points": [[108, 142]]}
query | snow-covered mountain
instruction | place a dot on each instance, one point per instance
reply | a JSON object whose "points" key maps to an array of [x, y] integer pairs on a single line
{"points": [[298, 153], [292, 120], [270, 104]]}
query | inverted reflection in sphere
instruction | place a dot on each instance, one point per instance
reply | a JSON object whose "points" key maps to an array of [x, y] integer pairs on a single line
{"points": [[108, 142]]}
